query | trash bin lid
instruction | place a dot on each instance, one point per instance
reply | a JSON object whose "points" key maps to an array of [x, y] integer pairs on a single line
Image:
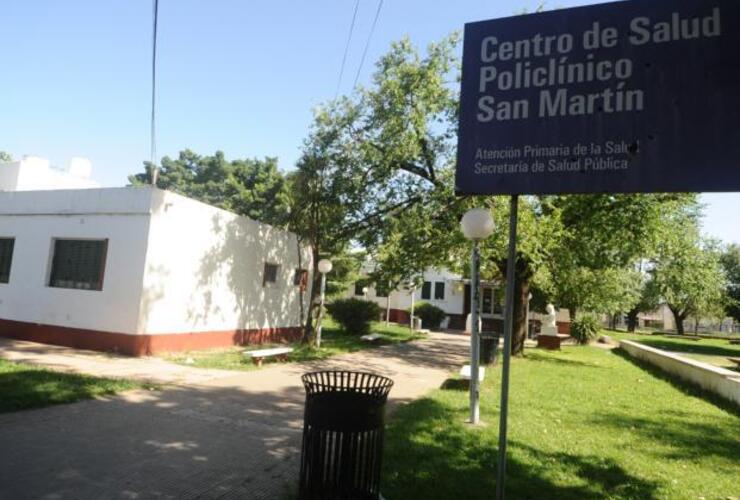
{"points": [[347, 381]]}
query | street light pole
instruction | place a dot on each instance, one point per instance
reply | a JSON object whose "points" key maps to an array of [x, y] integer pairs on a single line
{"points": [[474, 335], [476, 224], [325, 266]]}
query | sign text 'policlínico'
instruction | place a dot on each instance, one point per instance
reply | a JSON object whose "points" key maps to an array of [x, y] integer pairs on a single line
{"points": [[632, 96]]}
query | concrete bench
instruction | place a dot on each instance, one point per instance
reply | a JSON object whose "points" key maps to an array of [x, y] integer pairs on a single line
{"points": [[373, 337], [259, 355], [465, 373]]}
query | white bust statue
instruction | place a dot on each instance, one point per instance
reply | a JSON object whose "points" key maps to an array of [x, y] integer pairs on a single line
{"points": [[550, 327]]}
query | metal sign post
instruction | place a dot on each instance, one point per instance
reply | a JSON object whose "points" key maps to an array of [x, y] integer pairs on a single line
{"points": [[508, 331]]}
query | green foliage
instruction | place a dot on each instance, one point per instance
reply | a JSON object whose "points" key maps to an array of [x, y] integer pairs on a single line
{"points": [[5, 157], [585, 328], [604, 238], [431, 315], [354, 315], [689, 276], [251, 187], [730, 261], [23, 386]]}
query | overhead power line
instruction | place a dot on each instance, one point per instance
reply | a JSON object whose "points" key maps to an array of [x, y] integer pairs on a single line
{"points": [[153, 131], [346, 47], [367, 44]]}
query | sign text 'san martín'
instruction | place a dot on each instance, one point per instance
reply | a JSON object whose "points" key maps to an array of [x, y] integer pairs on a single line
{"points": [[636, 96]]}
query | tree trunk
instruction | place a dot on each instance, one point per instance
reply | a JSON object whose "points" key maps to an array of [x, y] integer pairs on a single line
{"points": [[519, 330], [522, 274], [572, 309], [315, 299], [632, 320], [696, 326], [678, 318]]}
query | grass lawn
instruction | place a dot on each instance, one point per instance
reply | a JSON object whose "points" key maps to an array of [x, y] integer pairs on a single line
{"points": [[713, 351], [23, 387], [584, 423], [333, 341]]}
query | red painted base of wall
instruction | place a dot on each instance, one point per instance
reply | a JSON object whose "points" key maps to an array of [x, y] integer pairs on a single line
{"points": [[142, 345]]}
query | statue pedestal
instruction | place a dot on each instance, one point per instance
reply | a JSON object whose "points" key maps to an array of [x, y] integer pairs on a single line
{"points": [[551, 342], [548, 330]]}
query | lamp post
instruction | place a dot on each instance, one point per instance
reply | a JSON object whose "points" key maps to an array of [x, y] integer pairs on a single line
{"points": [[411, 320], [476, 225], [325, 266]]}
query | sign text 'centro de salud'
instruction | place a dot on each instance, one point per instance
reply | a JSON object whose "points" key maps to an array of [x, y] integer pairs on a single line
{"points": [[634, 96]]}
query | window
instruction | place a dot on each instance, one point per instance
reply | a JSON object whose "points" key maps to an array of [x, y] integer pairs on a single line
{"points": [[300, 278], [6, 258], [381, 291], [359, 285], [426, 290], [270, 273], [439, 290], [78, 264]]}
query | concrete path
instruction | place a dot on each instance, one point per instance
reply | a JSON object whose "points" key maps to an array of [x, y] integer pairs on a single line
{"points": [[227, 437], [66, 359]]}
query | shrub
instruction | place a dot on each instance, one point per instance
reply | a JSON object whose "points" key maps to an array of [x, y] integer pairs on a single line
{"points": [[354, 315], [584, 329], [431, 315]]}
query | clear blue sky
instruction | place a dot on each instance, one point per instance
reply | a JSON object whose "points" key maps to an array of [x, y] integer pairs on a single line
{"points": [[234, 75]]}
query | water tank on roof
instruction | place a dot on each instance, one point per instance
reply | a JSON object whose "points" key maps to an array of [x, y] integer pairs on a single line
{"points": [[80, 167]]}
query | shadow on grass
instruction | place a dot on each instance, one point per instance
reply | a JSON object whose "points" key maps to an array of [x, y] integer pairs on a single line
{"points": [[455, 384], [533, 355], [428, 457], [686, 387], [696, 347], [684, 438]]}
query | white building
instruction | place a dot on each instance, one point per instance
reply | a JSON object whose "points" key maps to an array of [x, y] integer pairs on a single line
{"points": [[451, 293], [34, 173], [141, 270]]}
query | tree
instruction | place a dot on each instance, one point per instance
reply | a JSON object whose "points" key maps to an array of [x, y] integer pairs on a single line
{"points": [[649, 300], [253, 188], [5, 157], [730, 260], [688, 275], [605, 238]]}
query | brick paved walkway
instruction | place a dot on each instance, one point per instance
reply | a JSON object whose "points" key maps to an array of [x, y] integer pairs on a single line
{"points": [[225, 437]]}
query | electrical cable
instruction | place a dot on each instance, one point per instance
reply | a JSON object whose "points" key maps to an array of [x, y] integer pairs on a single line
{"points": [[367, 44], [346, 48]]}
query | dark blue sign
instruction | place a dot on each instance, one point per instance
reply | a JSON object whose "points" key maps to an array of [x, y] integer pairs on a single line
{"points": [[624, 97]]}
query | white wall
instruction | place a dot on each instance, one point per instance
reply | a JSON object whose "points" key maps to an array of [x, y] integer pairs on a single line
{"points": [[34, 173], [27, 216], [401, 299], [725, 383], [204, 271]]}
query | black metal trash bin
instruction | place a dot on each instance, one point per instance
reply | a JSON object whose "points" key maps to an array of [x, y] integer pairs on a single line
{"points": [[343, 428], [488, 347]]}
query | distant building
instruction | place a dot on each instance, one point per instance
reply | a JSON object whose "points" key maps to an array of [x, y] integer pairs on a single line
{"points": [[451, 293], [141, 270], [33, 173]]}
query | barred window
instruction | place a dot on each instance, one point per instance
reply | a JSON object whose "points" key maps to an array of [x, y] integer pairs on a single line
{"points": [[426, 290], [6, 258], [270, 273], [439, 290], [78, 264]]}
